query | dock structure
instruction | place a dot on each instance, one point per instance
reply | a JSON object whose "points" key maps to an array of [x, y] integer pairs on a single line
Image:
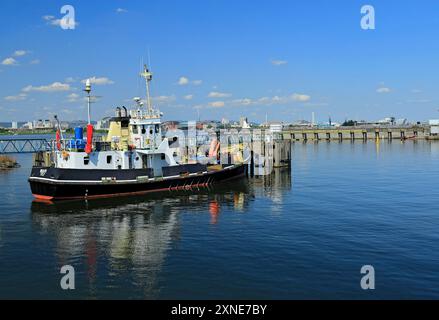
{"points": [[24, 145], [269, 150], [356, 133], [261, 160], [281, 151]]}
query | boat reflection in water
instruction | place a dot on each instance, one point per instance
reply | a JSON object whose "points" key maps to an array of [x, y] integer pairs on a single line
{"points": [[119, 246], [274, 187]]}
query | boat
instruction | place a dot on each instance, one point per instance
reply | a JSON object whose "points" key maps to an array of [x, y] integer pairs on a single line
{"points": [[134, 158]]}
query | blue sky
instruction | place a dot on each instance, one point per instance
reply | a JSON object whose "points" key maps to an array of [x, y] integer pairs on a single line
{"points": [[222, 58]]}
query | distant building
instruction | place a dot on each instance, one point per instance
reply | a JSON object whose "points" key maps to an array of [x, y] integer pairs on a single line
{"points": [[38, 124], [224, 121], [28, 125], [401, 122], [302, 123], [234, 124], [43, 124], [388, 120], [330, 125], [434, 127], [47, 124], [78, 123], [276, 126], [14, 125], [243, 123], [208, 125]]}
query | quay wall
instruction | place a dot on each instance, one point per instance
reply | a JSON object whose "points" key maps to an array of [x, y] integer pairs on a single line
{"points": [[355, 133]]}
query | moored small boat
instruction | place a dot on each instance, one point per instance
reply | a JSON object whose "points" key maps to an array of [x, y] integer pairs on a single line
{"points": [[133, 158]]}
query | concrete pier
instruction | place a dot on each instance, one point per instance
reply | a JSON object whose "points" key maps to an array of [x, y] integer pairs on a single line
{"points": [[268, 151], [356, 133], [281, 151]]}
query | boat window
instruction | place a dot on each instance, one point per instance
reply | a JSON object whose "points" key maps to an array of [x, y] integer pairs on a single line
{"points": [[163, 156], [143, 130], [150, 131], [108, 159], [134, 128], [86, 160], [157, 128]]}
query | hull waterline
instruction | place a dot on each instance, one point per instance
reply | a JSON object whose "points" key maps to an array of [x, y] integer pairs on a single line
{"points": [[50, 189]]}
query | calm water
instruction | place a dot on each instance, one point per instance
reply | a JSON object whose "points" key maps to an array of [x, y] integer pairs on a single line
{"points": [[303, 233]]}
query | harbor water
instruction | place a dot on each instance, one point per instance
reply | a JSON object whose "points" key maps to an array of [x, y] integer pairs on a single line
{"points": [[303, 232]]}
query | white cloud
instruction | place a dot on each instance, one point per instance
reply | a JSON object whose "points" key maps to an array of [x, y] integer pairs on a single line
{"points": [[50, 20], [164, 99], [416, 91], [9, 62], [216, 104], [121, 10], [264, 100], [20, 53], [275, 100], [183, 81], [55, 22], [54, 87], [99, 81], [19, 97], [243, 102], [300, 97], [216, 94], [73, 97], [278, 62], [189, 97], [383, 90], [35, 61], [48, 17]]}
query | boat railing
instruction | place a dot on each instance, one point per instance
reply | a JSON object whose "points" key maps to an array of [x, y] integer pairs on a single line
{"points": [[145, 114], [71, 144]]}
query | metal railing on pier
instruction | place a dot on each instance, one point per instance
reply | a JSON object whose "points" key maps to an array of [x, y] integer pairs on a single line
{"points": [[24, 145]]}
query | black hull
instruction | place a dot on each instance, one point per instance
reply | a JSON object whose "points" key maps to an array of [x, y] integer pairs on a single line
{"points": [[64, 186]]}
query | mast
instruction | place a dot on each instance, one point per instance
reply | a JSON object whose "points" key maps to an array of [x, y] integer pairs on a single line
{"points": [[147, 75], [88, 90]]}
